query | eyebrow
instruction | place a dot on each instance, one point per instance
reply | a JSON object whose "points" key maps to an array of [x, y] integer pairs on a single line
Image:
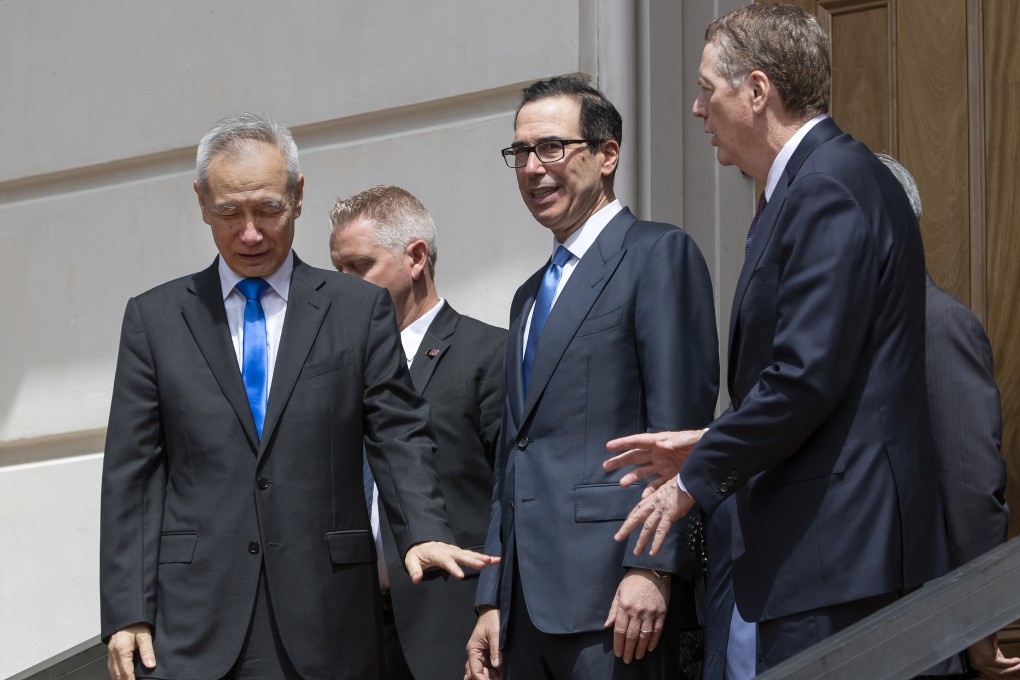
{"points": [[540, 140]]}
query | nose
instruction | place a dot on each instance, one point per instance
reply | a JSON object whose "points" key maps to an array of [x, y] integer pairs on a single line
{"points": [[698, 108], [533, 165], [250, 234]]}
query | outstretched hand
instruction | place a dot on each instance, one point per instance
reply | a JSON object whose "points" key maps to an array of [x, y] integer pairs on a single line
{"points": [[449, 558], [658, 455], [655, 513]]}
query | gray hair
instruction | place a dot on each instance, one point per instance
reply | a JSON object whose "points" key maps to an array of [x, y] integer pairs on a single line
{"points": [[230, 136], [400, 219], [906, 181], [786, 44]]}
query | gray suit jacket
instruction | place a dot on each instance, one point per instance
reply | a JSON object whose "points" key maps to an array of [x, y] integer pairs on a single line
{"points": [[194, 505], [630, 346], [459, 371], [967, 423]]}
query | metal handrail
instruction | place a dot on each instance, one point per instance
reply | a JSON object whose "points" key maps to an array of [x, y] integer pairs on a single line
{"points": [[916, 632]]}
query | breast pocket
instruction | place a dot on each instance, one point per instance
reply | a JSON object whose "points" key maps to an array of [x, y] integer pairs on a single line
{"points": [[603, 322], [329, 364]]}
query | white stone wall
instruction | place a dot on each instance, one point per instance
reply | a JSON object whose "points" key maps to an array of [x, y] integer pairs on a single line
{"points": [[101, 106]]}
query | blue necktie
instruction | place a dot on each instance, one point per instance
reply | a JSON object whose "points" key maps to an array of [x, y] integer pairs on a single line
{"points": [[754, 223], [255, 363], [543, 305]]}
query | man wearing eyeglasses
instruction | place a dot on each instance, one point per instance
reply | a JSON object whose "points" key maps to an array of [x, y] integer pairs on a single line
{"points": [[616, 331]]}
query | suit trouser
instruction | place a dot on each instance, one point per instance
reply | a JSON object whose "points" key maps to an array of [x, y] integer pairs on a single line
{"points": [[530, 654], [262, 655], [785, 637]]}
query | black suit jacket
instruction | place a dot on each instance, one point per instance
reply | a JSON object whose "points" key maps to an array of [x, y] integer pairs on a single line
{"points": [[459, 370], [967, 423], [194, 504], [829, 425], [630, 346]]}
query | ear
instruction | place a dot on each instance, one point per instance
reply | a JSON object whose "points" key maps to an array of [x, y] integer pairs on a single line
{"points": [[761, 90], [201, 204], [299, 195], [610, 156], [418, 252]]}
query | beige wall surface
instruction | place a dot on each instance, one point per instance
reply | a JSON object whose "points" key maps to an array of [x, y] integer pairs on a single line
{"points": [[102, 105]]}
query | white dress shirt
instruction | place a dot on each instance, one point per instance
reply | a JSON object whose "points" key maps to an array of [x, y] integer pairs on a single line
{"points": [[578, 244], [274, 305]]}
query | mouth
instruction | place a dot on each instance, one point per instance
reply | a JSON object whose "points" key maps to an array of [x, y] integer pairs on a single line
{"points": [[542, 192]]}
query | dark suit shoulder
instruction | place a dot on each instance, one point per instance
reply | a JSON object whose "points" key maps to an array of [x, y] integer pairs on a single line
{"points": [[485, 333]]}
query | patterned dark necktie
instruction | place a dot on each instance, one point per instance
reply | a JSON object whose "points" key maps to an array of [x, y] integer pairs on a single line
{"points": [[255, 361], [543, 305], [754, 223]]}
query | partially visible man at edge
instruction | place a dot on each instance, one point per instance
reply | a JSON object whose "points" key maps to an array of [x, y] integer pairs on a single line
{"points": [[826, 443], [385, 236], [616, 333], [234, 538], [966, 420]]}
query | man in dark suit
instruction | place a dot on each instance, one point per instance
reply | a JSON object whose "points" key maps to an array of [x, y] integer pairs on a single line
{"points": [[235, 541], [826, 438], [966, 420], [629, 343], [385, 236]]}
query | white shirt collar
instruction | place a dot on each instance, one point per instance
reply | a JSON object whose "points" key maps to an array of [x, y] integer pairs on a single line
{"points": [[279, 280], [583, 237], [779, 165], [412, 336]]}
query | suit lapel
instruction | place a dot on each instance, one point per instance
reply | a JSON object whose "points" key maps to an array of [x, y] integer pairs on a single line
{"points": [[513, 380], [306, 308], [585, 285], [822, 132], [433, 347], [207, 319]]}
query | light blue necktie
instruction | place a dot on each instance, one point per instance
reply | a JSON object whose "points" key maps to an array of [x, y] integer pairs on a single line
{"points": [[255, 363], [543, 305]]}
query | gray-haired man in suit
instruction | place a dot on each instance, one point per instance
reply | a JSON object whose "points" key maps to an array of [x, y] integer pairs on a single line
{"points": [[235, 542]]}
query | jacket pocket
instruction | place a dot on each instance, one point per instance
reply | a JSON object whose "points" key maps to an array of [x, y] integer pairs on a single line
{"points": [[604, 502], [603, 322], [330, 363], [177, 547], [350, 547]]}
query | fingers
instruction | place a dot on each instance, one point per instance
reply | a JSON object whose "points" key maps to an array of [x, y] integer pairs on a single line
{"points": [[484, 661], [635, 519], [121, 651], [644, 440], [145, 650]]}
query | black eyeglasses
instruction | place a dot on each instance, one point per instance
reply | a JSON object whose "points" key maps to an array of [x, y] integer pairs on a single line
{"points": [[547, 152]]}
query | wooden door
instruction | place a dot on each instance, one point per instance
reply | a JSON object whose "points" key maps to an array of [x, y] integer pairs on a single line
{"points": [[936, 84]]}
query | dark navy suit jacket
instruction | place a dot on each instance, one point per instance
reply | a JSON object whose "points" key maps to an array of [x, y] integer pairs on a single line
{"points": [[828, 435]]}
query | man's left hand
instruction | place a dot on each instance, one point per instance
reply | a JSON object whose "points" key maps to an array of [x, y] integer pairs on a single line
{"points": [[655, 513], [449, 558], [638, 614]]}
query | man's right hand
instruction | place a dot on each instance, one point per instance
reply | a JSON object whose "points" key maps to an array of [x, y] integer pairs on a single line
{"points": [[483, 659], [121, 659]]}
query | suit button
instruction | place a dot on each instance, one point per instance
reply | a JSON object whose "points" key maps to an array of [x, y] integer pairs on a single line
{"points": [[723, 488], [263, 483], [522, 443], [253, 548], [511, 506]]}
